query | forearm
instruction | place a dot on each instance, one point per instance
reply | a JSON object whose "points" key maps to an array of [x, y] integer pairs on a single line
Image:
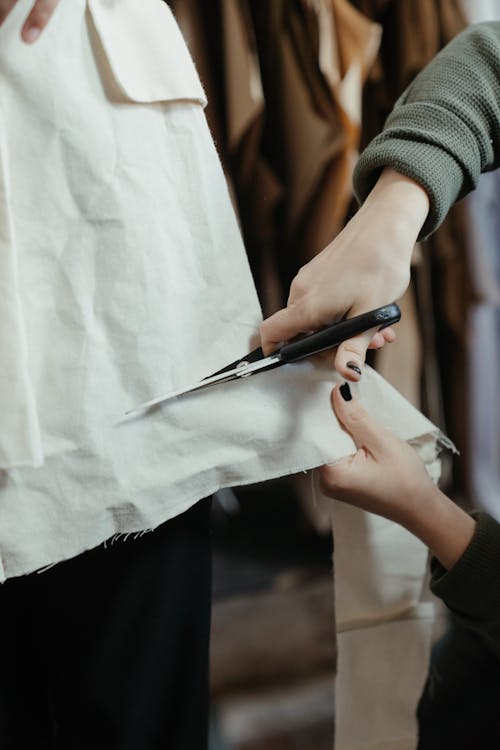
{"points": [[466, 564], [444, 527], [471, 588], [445, 129]]}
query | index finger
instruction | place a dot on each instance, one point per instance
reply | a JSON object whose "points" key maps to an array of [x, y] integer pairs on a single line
{"points": [[282, 326], [40, 15]]}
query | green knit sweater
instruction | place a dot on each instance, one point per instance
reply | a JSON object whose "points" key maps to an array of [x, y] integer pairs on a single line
{"points": [[444, 132], [445, 128], [471, 589]]}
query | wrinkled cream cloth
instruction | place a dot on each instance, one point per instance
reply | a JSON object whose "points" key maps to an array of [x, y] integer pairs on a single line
{"points": [[123, 275], [384, 630], [383, 666]]}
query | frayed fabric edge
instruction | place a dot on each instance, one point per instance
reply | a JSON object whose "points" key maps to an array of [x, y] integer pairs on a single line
{"points": [[122, 536], [440, 440]]}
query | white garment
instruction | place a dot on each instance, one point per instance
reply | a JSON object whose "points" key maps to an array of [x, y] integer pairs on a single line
{"points": [[123, 275]]}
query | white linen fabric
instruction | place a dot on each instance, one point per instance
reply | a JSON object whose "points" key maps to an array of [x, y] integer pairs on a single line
{"points": [[382, 669], [123, 275], [384, 631]]}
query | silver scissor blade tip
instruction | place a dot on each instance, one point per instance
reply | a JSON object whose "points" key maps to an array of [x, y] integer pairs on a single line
{"points": [[238, 372], [157, 400], [169, 397]]}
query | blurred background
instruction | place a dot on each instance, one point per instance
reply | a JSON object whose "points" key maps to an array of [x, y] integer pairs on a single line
{"points": [[296, 88]]}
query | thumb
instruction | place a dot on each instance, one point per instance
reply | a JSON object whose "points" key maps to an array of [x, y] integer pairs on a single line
{"points": [[365, 432], [351, 355]]}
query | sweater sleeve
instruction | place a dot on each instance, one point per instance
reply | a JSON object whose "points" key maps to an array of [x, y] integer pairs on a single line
{"points": [[444, 131], [471, 589]]}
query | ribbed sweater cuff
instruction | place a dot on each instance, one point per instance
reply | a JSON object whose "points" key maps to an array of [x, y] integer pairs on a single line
{"points": [[428, 165], [430, 145], [471, 588]]}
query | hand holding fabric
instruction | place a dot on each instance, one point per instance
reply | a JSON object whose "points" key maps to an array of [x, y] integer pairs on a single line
{"points": [[386, 477], [39, 16], [365, 267]]}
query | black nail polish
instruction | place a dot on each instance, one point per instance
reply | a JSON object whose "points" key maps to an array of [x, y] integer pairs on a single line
{"points": [[345, 392], [353, 366]]}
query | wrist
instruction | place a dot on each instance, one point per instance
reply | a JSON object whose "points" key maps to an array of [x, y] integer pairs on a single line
{"points": [[398, 206]]}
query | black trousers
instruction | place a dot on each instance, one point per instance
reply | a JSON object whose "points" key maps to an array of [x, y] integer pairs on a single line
{"points": [[460, 706], [109, 651]]}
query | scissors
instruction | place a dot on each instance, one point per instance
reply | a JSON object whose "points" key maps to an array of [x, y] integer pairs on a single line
{"points": [[292, 351]]}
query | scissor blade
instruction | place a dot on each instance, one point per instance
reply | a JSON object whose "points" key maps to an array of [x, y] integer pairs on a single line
{"points": [[239, 372]]}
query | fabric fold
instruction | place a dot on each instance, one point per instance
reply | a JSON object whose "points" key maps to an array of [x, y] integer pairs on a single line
{"points": [[128, 30], [20, 443]]}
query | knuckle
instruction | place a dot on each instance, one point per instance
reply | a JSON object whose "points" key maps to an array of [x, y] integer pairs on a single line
{"points": [[353, 347], [269, 329], [307, 308], [357, 414], [273, 320], [331, 479], [266, 325], [298, 286], [326, 484]]}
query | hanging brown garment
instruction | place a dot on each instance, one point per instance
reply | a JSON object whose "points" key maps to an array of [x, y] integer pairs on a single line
{"points": [[313, 56], [200, 25], [257, 185], [284, 81], [413, 33]]}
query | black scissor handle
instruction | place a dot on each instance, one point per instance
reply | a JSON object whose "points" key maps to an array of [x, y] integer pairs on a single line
{"points": [[327, 338], [330, 337]]}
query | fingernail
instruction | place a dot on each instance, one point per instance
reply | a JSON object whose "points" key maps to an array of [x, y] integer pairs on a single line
{"points": [[353, 366], [32, 34], [345, 392]]}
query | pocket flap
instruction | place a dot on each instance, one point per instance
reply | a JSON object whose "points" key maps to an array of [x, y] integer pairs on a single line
{"points": [[146, 50]]}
